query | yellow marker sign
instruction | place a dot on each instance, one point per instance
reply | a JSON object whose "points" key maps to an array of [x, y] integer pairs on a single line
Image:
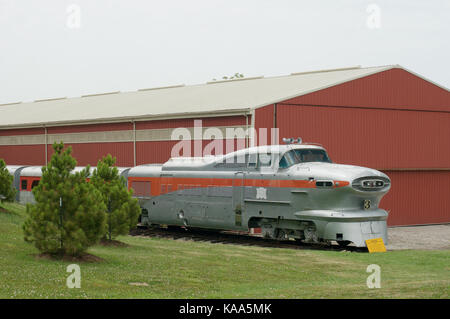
{"points": [[376, 245]]}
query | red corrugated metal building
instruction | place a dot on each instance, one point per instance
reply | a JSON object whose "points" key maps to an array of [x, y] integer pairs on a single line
{"points": [[387, 118]]}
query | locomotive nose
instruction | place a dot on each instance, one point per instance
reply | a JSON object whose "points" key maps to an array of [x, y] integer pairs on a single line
{"points": [[361, 179], [370, 180]]}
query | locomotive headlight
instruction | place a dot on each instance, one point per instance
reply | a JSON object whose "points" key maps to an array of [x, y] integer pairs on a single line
{"points": [[371, 183], [368, 183]]}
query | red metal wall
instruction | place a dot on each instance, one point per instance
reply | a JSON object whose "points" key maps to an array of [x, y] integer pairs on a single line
{"points": [[90, 153], [25, 131], [90, 128], [153, 152], [210, 121], [159, 151], [23, 154], [395, 88], [380, 138], [264, 119], [418, 197]]}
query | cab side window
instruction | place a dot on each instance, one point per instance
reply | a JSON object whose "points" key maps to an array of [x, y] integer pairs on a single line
{"points": [[236, 162], [265, 160], [283, 163], [24, 185], [252, 161], [288, 159]]}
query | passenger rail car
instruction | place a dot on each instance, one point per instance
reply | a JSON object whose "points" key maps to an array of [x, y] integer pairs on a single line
{"points": [[289, 191], [28, 177], [15, 171]]}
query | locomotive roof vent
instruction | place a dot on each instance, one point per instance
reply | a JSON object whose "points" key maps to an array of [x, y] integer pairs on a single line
{"points": [[292, 140]]}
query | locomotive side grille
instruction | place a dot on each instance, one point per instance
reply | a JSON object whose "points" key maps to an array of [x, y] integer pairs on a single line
{"points": [[324, 184], [371, 183]]}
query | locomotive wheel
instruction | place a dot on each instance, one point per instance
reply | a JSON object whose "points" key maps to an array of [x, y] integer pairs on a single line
{"points": [[271, 232], [343, 243]]}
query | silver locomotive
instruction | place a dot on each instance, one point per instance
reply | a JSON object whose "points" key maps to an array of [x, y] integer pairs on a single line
{"points": [[289, 191]]}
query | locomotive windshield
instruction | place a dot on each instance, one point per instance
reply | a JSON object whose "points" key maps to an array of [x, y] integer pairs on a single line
{"points": [[313, 155], [303, 156]]}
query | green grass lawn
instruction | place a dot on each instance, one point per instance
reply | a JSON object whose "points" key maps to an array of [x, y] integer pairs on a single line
{"points": [[187, 269]]}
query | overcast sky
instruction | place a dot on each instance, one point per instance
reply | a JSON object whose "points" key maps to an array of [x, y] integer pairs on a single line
{"points": [[57, 48]]}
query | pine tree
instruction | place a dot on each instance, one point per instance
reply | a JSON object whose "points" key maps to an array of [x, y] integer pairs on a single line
{"points": [[122, 209], [7, 191], [68, 216]]}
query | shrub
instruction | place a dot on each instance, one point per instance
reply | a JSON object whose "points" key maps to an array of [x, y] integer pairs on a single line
{"points": [[122, 209], [7, 190], [68, 216]]}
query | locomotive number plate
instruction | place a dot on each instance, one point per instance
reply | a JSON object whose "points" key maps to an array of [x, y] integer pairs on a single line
{"points": [[366, 203]]}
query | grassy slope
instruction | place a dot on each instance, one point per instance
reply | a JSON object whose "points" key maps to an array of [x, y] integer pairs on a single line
{"points": [[185, 269]]}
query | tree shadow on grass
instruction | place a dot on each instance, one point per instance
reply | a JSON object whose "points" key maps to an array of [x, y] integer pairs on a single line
{"points": [[112, 243], [85, 257]]}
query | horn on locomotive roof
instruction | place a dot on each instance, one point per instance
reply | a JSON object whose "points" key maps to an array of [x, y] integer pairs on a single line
{"points": [[291, 140]]}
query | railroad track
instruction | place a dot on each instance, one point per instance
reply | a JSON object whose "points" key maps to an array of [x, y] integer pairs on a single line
{"points": [[233, 238]]}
